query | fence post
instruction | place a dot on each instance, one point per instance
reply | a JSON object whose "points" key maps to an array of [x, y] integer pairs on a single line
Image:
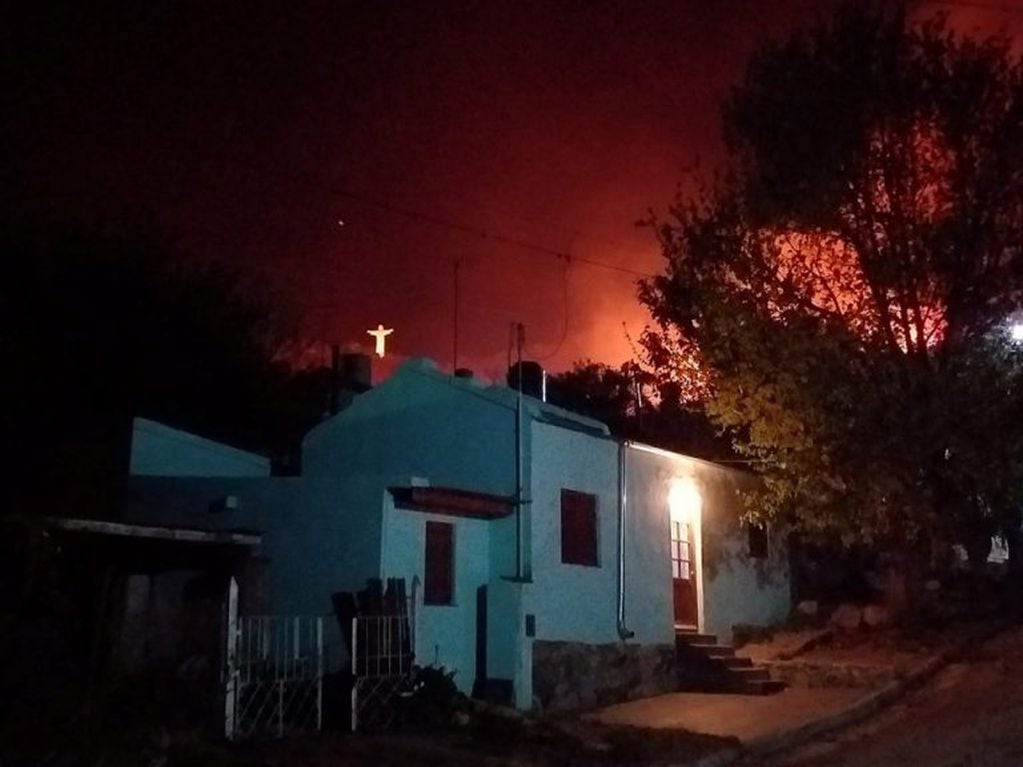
{"points": [[355, 673], [231, 659]]}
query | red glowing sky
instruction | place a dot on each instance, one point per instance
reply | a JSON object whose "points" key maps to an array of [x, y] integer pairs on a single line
{"points": [[248, 134]]}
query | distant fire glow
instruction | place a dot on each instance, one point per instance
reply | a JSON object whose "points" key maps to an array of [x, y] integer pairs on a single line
{"points": [[822, 274]]}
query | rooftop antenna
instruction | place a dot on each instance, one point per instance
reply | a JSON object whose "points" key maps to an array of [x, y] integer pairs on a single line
{"points": [[520, 340], [454, 351]]}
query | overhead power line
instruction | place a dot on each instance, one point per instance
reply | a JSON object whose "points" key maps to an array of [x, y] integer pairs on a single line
{"points": [[493, 236], [977, 4], [420, 216]]}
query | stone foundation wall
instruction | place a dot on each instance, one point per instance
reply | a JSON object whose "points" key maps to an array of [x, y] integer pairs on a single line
{"points": [[571, 676]]}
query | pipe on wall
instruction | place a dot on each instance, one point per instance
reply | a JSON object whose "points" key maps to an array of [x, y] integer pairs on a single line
{"points": [[623, 631]]}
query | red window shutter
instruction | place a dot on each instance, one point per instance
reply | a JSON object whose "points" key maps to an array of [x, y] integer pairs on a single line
{"points": [[439, 578], [578, 528]]}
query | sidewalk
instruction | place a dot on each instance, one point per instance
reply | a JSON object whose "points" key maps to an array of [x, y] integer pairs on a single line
{"points": [[739, 716], [771, 723]]}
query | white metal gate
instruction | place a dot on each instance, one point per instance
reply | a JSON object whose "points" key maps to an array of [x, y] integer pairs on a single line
{"points": [[274, 675], [382, 655]]}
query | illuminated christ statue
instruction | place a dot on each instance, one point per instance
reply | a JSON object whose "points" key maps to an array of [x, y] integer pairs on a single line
{"points": [[380, 334]]}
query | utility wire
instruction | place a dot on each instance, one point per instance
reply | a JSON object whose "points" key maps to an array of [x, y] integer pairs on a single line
{"points": [[419, 216], [485, 234], [977, 4], [565, 316]]}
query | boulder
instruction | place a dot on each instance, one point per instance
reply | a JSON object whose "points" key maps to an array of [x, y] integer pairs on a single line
{"points": [[876, 616], [807, 607], [847, 617]]}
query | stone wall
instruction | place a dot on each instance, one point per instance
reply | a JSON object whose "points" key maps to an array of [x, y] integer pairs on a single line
{"points": [[573, 676]]}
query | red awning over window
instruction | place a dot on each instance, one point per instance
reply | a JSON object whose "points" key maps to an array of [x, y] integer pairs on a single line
{"points": [[456, 503]]}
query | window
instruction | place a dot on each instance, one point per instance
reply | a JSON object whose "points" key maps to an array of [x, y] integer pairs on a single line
{"points": [[681, 551], [439, 578], [578, 528], [758, 541]]}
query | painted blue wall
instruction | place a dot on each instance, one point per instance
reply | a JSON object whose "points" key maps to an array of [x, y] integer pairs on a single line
{"points": [[739, 589], [336, 526], [649, 611], [445, 634], [573, 602], [301, 570], [419, 423], [736, 588], [160, 451]]}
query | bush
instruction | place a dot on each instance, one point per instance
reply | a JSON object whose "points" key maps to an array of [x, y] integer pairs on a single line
{"points": [[431, 697]]}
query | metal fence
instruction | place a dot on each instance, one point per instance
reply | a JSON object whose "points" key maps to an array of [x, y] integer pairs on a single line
{"points": [[274, 675], [382, 655]]}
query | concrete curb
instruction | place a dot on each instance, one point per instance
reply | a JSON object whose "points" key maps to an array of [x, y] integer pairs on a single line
{"points": [[859, 710]]}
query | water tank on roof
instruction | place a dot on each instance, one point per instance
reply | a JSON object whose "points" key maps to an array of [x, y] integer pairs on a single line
{"points": [[530, 378], [351, 373]]}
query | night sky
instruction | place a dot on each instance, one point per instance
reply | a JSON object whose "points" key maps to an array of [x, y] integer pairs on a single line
{"points": [[435, 131]]}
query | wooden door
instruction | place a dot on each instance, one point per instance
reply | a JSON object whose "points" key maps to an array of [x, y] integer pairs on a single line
{"points": [[683, 573]]}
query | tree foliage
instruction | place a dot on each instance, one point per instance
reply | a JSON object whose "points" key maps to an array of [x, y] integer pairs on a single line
{"points": [[849, 279], [636, 405]]}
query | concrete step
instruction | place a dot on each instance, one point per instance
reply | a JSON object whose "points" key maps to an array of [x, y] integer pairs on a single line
{"points": [[750, 674], [735, 662], [692, 635], [712, 667], [715, 651]]}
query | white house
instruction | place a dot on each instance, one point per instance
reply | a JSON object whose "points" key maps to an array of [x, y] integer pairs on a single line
{"points": [[550, 564]]}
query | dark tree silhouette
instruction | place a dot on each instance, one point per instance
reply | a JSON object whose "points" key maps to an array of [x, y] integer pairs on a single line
{"points": [[850, 279], [636, 405], [96, 328]]}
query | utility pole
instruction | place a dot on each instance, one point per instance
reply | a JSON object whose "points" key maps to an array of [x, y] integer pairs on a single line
{"points": [[520, 340]]}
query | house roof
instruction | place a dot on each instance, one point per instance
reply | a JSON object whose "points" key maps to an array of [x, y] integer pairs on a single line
{"points": [[160, 450], [417, 371], [151, 532], [507, 397]]}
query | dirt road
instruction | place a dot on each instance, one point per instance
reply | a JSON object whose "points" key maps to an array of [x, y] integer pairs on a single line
{"points": [[970, 714]]}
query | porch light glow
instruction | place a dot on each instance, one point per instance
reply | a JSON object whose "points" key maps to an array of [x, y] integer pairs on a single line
{"points": [[684, 500]]}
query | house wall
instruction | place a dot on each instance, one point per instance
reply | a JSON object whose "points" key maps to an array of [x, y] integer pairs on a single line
{"points": [[421, 426], [739, 589], [649, 610], [160, 451], [419, 423], [736, 588], [445, 634], [573, 602], [509, 651], [301, 568], [579, 660]]}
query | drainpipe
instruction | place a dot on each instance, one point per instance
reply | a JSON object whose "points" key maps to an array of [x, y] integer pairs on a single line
{"points": [[623, 630]]}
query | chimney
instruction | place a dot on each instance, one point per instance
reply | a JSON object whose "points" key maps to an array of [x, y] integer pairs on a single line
{"points": [[530, 378], [351, 373]]}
